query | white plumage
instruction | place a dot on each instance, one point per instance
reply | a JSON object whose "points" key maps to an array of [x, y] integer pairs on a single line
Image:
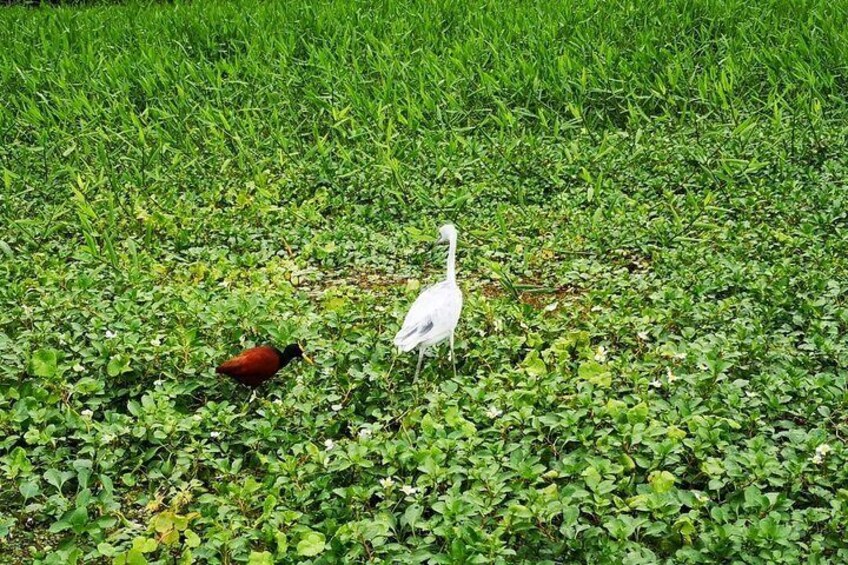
{"points": [[432, 318], [435, 313]]}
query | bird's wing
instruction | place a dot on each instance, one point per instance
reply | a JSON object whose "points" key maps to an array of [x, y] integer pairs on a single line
{"points": [[258, 359], [434, 313], [252, 367], [231, 364]]}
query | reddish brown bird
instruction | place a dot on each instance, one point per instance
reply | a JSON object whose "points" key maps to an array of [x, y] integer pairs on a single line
{"points": [[255, 366]]}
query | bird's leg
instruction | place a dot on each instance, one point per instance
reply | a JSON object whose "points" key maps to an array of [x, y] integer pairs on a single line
{"points": [[452, 355], [420, 361], [389, 382]]}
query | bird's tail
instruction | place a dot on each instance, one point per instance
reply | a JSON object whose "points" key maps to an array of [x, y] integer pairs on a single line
{"points": [[406, 340]]}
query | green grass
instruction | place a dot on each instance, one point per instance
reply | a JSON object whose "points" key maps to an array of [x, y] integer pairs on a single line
{"points": [[665, 180]]}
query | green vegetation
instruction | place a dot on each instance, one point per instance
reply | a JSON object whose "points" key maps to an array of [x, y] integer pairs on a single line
{"points": [[652, 205]]}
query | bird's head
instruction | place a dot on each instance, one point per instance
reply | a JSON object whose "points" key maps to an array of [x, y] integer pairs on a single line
{"points": [[447, 233], [293, 351]]}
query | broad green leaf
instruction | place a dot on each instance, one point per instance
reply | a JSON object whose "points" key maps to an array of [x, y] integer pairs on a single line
{"points": [[311, 544], [171, 537], [533, 364], [754, 498], [260, 558], [58, 526], [135, 557], [145, 545], [83, 468], [44, 363], [638, 413], [106, 549], [661, 481], [592, 477], [181, 521], [118, 364], [520, 511], [29, 489], [282, 543], [564, 345], [163, 522], [78, 519], [335, 303], [412, 515], [19, 463], [712, 467], [595, 373], [675, 433], [685, 527], [626, 462], [191, 538], [615, 407], [57, 478]]}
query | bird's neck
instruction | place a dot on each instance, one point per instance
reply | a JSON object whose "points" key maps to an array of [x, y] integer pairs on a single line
{"points": [[284, 356], [451, 274]]}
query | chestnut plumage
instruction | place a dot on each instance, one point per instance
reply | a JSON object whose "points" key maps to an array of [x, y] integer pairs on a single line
{"points": [[255, 366]]}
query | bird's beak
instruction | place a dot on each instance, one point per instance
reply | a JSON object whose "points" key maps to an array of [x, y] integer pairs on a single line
{"points": [[305, 357]]}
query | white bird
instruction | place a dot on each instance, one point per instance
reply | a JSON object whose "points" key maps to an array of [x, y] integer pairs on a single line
{"points": [[435, 313]]}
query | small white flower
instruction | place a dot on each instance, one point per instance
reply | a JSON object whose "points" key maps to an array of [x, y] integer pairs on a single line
{"points": [[597, 308], [214, 435], [111, 335], [329, 444], [278, 401], [158, 382], [656, 383], [643, 336], [79, 368], [823, 450], [601, 354], [551, 307], [680, 356], [493, 412], [816, 459], [387, 483], [670, 375], [364, 433], [155, 342], [87, 414], [408, 490], [336, 407]]}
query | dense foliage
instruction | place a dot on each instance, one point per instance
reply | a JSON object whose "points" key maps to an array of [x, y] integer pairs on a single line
{"points": [[651, 199]]}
